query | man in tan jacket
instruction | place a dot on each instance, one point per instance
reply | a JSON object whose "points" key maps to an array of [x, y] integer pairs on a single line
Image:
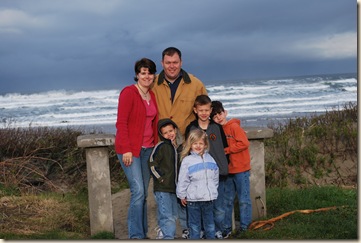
{"points": [[176, 90]]}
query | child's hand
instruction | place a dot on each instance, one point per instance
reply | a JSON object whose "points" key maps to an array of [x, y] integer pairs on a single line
{"points": [[184, 202]]}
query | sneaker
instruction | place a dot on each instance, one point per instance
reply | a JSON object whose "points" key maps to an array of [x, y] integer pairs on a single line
{"points": [[226, 233], [185, 234], [241, 231], [203, 235], [159, 235], [219, 235]]}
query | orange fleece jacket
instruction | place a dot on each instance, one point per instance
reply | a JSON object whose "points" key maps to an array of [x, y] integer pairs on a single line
{"points": [[240, 159]]}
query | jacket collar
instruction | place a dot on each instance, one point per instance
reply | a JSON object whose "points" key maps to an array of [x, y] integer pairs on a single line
{"points": [[185, 75]]}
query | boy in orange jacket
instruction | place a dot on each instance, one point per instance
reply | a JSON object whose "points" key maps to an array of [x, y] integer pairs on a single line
{"points": [[237, 182]]}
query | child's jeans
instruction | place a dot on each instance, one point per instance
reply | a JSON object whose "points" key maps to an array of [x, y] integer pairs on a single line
{"points": [[218, 205], [166, 213], [198, 213], [182, 215], [238, 184]]}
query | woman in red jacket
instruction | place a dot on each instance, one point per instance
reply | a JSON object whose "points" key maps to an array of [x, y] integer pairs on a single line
{"points": [[135, 138]]}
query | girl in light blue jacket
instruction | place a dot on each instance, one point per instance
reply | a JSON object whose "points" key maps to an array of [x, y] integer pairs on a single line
{"points": [[197, 184]]}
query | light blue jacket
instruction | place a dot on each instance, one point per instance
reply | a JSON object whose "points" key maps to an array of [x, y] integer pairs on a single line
{"points": [[198, 178]]}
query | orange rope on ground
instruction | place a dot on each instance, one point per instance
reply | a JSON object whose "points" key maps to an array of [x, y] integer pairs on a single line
{"points": [[258, 224]]}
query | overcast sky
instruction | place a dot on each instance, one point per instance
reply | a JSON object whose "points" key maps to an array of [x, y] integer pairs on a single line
{"points": [[93, 44]]}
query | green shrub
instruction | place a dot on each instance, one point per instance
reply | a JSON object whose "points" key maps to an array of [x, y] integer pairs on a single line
{"points": [[314, 144]]}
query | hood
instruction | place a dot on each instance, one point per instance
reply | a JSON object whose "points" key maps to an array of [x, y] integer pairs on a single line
{"points": [[234, 120], [163, 122]]}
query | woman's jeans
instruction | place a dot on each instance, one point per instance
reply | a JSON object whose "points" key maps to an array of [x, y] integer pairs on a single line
{"points": [[138, 175], [238, 184], [200, 213], [167, 213]]}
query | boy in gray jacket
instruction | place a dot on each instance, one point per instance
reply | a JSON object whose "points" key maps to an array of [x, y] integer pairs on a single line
{"points": [[217, 142]]}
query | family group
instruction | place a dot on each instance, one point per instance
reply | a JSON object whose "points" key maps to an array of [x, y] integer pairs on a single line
{"points": [[170, 130]]}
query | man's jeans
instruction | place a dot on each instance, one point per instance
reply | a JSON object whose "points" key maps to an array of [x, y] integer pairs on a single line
{"points": [[167, 212], [238, 184], [138, 175], [200, 213]]}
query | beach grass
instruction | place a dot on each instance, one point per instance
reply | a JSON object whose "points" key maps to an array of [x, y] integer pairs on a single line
{"points": [[314, 150]]}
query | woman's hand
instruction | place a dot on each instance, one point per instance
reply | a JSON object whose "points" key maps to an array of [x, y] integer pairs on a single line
{"points": [[127, 158]]}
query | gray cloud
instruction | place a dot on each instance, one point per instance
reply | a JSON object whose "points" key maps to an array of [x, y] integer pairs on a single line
{"points": [[85, 45]]}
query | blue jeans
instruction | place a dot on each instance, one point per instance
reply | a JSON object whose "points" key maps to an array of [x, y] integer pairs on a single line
{"points": [[238, 184], [138, 176], [218, 205], [182, 215], [166, 213], [200, 213]]}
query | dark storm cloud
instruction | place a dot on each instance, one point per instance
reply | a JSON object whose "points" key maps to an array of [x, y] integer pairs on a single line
{"points": [[85, 45]]}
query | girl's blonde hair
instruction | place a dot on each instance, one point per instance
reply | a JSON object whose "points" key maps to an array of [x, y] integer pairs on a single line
{"points": [[194, 135]]}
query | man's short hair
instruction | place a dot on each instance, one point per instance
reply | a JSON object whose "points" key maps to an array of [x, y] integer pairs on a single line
{"points": [[170, 51]]}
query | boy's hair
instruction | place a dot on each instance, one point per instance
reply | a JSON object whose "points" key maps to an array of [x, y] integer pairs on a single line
{"points": [[194, 135], [217, 108], [166, 124], [202, 100]]}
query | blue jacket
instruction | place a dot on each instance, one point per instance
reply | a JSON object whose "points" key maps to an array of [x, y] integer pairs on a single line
{"points": [[198, 178]]}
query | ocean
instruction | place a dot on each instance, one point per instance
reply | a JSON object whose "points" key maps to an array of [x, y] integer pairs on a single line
{"points": [[255, 102]]}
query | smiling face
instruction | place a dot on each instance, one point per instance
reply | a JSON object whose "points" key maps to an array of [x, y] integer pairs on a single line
{"points": [[145, 78], [172, 66], [203, 111], [220, 117], [198, 146], [169, 132]]}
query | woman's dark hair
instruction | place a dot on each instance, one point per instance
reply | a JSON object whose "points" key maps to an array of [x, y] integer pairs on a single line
{"points": [[170, 51], [144, 63]]}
